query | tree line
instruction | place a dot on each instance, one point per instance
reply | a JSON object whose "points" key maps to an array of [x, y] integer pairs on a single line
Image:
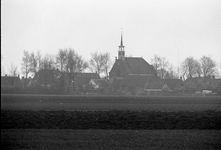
{"points": [[69, 61], [190, 67], [66, 60]]}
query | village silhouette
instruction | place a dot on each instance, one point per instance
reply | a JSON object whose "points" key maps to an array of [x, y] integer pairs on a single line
{"points": [[127, 76]]}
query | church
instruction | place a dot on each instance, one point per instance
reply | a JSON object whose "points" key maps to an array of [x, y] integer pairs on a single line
{"points": [[129, 75]]}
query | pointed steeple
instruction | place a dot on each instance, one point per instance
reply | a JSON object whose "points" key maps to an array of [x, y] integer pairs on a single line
{"points": [[121, 52], [121, 42]]}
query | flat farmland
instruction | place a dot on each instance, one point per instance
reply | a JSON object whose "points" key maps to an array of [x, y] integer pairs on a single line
{"points": [[109, 122], [110, 139], [108, 103]]}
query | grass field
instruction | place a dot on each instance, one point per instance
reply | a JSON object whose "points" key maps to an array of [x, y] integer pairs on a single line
{"points": [[106, 103], [110, 122], [111, 139]]}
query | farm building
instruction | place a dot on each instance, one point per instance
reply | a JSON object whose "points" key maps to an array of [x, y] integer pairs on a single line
{"points": [[126, 70], [10, 84], [10, 81], [200, 84], [61, 82], [164, 87]]}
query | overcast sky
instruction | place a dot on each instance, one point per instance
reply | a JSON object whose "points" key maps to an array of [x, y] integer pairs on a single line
{"points": [[168, 28]]}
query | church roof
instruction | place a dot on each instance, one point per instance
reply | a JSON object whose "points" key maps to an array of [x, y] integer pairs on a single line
{"points": [[136, 80], [137, 65]]}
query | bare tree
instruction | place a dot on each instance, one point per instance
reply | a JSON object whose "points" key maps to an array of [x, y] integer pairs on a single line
{"points": [[208, 66], [33, 62], [39, 60], [74, 65], [198, 68], [96, 63], [191, 67], [160, 65], [100, 63], [156, 62], [48, 62], [26, 67], [171, 73], [26, 63], [61, 59], [163, 67], [106, 63], [13, 70]]}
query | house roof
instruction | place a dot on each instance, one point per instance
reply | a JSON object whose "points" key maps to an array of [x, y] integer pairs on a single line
{"points": [[52, 76], [101, 82], [90, 75], [136, 80], [84, 78], [158, 84], [8, 81], [201, 83]]}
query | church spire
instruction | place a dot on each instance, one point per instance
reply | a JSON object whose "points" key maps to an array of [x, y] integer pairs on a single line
{"points": [[121, 53], [121, 42]]}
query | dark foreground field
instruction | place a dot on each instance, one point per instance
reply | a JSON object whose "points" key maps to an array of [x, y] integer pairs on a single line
{"points": [[27, 139], [110, 122], [117, 120], [106, 103]]}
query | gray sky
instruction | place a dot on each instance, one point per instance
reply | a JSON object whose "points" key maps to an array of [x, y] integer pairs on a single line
{"points": [[163, 27]]}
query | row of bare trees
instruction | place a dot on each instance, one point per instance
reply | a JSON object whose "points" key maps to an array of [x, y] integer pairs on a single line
{"points": [[205, 66], [66, 60], [190, 67], [163, 68]]}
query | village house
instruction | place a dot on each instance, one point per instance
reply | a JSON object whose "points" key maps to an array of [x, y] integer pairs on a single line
{"points": [[202, 85], [10, 84], [10, 81], [99, 85], [129, 74], [161, 87], [60, 82]]}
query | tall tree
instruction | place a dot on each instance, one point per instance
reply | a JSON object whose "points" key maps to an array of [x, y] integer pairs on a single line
{"points": [[156, 62], [171, 73], [48, 62], [33, 62], [26, 67], [198, 68], [39, 60], [106, 63], [160, 64], [13, 70], [208, 66], [61, 59], [74, 65], [96, 62], [100, 63], [191, 67]]}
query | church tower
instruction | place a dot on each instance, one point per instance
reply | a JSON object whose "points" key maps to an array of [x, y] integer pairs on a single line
{"points": [[121, 52]]}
